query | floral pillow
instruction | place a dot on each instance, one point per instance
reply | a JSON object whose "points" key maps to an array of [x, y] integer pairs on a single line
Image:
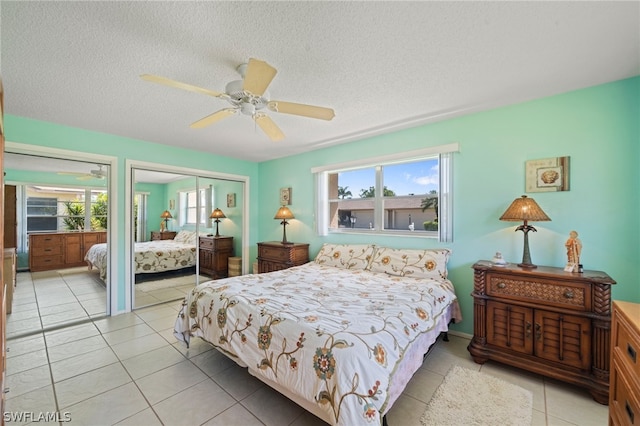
{"points": [[427, 263], [184, 236], [345, 256]]}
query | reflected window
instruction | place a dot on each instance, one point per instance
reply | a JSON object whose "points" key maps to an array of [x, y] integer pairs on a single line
{"points": [[54, 209]]}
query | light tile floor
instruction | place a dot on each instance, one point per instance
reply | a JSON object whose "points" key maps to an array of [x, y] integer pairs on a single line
{"points": [[130, 370], [52, 299]]}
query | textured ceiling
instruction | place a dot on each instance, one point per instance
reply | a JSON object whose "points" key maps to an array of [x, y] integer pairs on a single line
{"points": [[381, 66]]}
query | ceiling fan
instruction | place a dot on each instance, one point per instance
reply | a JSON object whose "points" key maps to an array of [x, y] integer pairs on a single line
{"points": [[250, 97], [93, 174]]}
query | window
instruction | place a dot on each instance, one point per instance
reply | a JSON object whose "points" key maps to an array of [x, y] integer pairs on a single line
{"points": [[53, 209], [194, 206], [406, 193]]}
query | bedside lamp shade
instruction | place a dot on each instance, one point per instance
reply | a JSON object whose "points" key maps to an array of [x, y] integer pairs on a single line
{"points": [[283, 214], [217, 214], [166, 215], [525, 209]]}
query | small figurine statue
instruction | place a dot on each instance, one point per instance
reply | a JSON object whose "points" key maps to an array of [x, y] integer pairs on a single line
{"points": [[574, 248], [498, 259]]}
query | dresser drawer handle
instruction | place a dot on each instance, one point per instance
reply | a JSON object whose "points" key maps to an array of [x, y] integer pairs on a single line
{"points": [[568, 294], [502, 285], [632, 352], [627, 407]]}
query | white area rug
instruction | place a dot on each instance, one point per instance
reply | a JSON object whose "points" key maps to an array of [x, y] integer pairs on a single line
{"points": [[468, 397]]}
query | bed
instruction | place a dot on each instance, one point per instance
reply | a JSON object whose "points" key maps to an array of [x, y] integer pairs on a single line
{"points": [[151, 256], [341, 335]]}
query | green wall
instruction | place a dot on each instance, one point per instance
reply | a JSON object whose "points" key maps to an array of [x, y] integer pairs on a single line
{"points": [[597, 127]]}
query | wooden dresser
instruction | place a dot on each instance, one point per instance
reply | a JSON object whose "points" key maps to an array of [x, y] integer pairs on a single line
{"points": [[214, 256], [624, 395], [49, 251], [274, 256], [544, 320], [166, 235]]}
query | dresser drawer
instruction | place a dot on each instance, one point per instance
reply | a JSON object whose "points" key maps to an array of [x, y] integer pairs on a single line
{"points": [[277, 254], [44, 240], [626, 347], [569, 295], [46, 263], [206, 243], [624, 406], [54, 250]]}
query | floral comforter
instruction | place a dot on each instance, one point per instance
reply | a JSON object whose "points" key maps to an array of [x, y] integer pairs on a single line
{"points": [[150, 256], [331, 336]]}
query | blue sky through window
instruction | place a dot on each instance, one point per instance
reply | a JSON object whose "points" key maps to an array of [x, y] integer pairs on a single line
{"points": [[408, 178]]}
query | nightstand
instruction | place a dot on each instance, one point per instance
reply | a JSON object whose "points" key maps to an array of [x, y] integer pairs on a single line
{"points": [[166, 235], [214, 256], [545, 320], [275, 256]]}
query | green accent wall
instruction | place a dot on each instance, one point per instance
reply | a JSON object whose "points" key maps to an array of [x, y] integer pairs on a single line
{"points": [[597, 127]]}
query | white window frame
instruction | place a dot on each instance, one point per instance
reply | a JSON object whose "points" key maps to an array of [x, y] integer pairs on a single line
{"points": [[445, 193], [201, 208]]}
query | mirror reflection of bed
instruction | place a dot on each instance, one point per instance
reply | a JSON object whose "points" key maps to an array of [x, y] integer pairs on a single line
{"points": [[173, 229]]}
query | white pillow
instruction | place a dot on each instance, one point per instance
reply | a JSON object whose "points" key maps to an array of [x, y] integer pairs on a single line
{"points": [[345, 256], [183, 236], [426, 263]]}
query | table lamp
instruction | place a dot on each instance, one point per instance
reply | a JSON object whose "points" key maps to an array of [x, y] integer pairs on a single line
{"points": [[525, 209], [283, 214], [217, 215]]}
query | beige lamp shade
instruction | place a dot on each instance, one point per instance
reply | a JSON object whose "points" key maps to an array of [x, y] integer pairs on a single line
{"points": [[217, 214], [525, 209], [283, 214]]}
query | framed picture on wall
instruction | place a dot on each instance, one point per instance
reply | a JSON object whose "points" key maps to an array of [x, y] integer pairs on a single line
{"points": [[285, 196], [231, 199], [547, 175]]}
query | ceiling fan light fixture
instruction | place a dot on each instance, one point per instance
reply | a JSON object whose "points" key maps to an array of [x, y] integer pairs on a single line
{"points": [[248, 108]]}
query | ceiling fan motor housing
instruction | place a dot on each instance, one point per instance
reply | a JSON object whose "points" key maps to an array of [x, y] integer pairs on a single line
{"points": [[246, 101]]}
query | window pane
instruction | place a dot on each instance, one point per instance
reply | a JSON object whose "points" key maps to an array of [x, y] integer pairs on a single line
{"points": [[414, 178], [356, 183], [410, 187]]}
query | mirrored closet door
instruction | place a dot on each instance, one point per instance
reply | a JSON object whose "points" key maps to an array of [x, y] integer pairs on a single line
{"points": [[186, 229], [57, 212]]}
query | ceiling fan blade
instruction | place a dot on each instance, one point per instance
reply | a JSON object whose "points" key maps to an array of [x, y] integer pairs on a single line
{"points": [[213, 118], [269, 127], [258, 77], [302, 109], [178, 85]]}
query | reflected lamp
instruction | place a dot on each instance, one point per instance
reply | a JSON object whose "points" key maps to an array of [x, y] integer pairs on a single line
{"points": [[166, 215], [525, 209], [217, 214]]}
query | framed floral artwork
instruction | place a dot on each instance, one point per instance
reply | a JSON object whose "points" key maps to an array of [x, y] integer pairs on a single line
{"points": [[285, 196], [547, 175]]}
